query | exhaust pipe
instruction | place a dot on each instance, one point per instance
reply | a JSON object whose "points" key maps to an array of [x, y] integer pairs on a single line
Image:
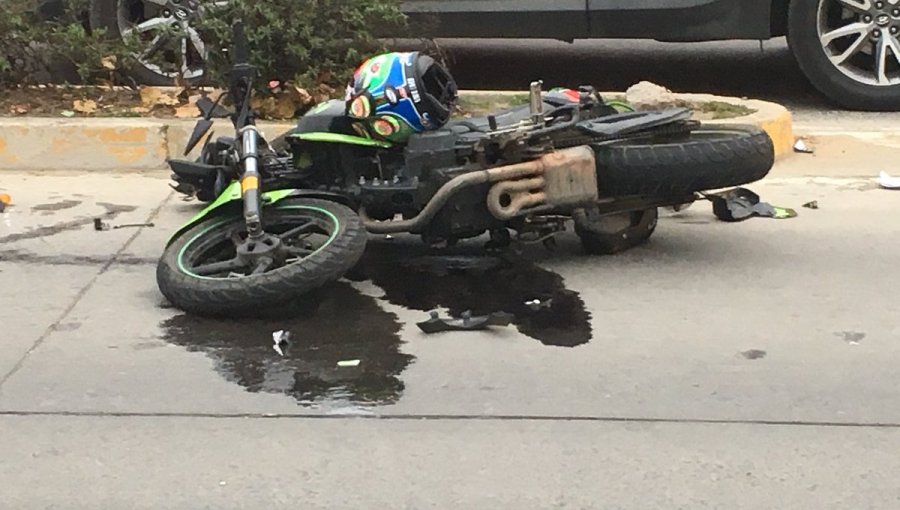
{"points": [[562, 178]]}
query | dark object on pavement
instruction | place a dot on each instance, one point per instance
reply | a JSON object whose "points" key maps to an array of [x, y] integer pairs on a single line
{"points": [[812, 205], [135, 225], [739, 204], [754, 354], [466, 322], [100, 225]]}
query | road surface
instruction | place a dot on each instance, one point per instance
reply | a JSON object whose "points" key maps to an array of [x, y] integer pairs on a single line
{"points": [[746, 365]]}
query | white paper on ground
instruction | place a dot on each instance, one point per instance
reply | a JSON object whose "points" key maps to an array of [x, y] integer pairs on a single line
{"points": [[886, 181]]}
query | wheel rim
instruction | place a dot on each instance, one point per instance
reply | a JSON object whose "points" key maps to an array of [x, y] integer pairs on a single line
{"points": [[861, 38], [212, 254], [166, 30]]}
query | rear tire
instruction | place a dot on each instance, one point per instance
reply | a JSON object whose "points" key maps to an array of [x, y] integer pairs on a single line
{"points": [[608, 235], [231, 295], [710, 157]]}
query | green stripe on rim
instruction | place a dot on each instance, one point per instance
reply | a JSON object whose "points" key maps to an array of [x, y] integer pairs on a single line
{"points": [[331, 238]]}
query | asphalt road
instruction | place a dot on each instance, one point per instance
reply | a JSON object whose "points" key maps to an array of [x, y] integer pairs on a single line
{"points": [[721, 365], [735, 68]]}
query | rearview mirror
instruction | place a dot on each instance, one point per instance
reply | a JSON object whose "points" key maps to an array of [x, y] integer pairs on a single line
{"points": [[210, 109]]}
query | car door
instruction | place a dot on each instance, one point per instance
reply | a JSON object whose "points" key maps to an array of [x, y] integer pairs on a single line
{"points": [[558, 19], [680, 20]]}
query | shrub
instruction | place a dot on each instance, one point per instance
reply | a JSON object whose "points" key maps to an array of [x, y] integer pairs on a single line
{"points": [[309, 42], [31, 47]]}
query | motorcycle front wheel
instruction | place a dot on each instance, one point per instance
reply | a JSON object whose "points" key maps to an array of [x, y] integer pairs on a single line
{"points": [[214, 269]]}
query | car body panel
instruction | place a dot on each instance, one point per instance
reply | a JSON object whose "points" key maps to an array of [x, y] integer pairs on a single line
{"points": [[669, 20]]}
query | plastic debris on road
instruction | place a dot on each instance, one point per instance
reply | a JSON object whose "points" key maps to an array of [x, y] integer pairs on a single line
{"points": [[348, 363], [5, 200], [740, 204], [100, 225], [802, 147], [282, 340], [886, 181], [812, 205], [466, 322], [536, 305]]}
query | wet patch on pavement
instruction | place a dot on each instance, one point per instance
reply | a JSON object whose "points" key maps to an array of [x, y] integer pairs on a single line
{"points": [[26, 257], [332, 325], [56, 206], [851, 337], [111, 211], [754, 354], [470, 280], [338, 324]]}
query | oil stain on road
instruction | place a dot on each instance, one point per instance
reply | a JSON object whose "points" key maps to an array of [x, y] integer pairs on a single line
{"points": [[339, 323]]}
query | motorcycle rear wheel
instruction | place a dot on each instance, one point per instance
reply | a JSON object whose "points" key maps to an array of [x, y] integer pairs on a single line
{"points": [[677, 165], [201, 271]]}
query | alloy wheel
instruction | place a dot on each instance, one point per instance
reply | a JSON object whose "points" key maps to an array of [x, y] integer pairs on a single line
{"points": [[171, 45], [862, 39]]}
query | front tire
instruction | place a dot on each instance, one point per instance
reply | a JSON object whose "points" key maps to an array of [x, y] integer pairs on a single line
{"points": [[198, 271], [850, 53]]}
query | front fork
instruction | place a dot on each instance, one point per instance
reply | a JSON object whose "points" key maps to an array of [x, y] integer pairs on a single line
{"points": [[250, 192]]}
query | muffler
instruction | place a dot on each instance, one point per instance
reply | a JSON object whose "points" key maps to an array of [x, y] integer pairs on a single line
{"points": [[558, 180]]}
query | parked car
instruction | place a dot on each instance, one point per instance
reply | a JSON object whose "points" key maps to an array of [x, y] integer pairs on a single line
{"points": [[849, 49]]}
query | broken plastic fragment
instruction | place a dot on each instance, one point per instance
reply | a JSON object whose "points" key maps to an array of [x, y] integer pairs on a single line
{"points": [[740, 204], [100, 225], [888, 182], [537, 305], [466, 322], [348, 363], [812, 205], [803, 148], [282, 340], [4, 201]]}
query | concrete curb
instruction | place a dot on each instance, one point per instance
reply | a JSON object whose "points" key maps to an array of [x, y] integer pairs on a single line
{"points": [[125, 144]]}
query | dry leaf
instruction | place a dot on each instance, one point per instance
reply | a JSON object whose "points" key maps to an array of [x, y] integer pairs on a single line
{"points": [[109, 62], [87, 106], [302, 97], [188, 111], [140, 109], [19, 109], [157, 96]]}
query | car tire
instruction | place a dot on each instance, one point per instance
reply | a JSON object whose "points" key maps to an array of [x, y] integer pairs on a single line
{"points": [[817, 48], [105, 14]]}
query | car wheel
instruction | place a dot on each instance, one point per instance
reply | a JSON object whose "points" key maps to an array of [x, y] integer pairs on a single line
{"points": [[849, 49], [170, 45]]}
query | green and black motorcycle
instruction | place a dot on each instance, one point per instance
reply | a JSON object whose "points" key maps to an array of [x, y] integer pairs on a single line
{"points": [[290, 215]]}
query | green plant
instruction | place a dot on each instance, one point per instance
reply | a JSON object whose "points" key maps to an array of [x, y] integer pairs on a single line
{"points": [[309, 42], [33, 49]]}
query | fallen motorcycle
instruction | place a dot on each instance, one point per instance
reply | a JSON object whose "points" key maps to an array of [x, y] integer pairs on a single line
{"points": [[290, 215]]}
